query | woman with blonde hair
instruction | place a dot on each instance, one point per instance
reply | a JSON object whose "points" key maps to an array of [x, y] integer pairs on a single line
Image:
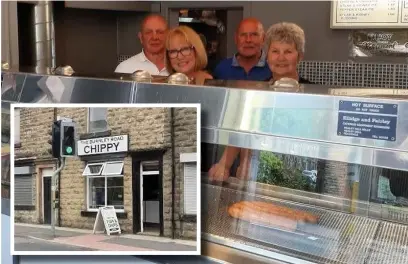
{"points": [[185, 53]]}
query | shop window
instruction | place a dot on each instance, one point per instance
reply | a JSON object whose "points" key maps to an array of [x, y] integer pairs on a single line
{"points": [[105, 185], [150, 167], [189, 161], [113, 168], [93, 169], [97, 117], [23, 186]]}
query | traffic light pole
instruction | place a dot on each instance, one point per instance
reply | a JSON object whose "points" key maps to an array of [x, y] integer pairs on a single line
{"points": [[53, 189]]}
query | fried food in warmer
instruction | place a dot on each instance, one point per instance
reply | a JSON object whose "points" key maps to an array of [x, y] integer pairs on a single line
{"points": [[270, 214]]}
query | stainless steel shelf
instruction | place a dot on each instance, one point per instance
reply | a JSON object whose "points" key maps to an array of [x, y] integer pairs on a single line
{"points": [[348, 153], [338, 237]]}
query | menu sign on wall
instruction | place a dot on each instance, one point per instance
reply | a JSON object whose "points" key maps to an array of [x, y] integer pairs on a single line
{"points": [[369, 14]]}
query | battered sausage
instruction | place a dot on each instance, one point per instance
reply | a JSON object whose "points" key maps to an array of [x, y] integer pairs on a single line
{"points": [[270, 214]]}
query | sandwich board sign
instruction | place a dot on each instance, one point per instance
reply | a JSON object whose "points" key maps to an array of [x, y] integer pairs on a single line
{"points": [[106, 220]]}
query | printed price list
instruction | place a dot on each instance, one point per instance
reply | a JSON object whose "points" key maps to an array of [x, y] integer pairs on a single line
{"points": [[357, 13]]}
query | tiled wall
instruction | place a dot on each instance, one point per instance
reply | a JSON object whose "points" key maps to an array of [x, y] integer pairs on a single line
{"points": [[350, 74], [356, 74]]}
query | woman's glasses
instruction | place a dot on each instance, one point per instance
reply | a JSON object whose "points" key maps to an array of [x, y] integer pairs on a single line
{"points": [[184, 51]]}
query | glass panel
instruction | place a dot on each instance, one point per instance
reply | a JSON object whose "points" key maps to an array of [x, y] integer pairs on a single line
{"points": [[97, 119], [16, 126], [96, 192], [150, 166], [115, 192], [93, 169], [151, 188], [113, 168], [315, 209]]}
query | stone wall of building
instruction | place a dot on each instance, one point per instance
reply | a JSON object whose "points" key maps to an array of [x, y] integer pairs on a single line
{"points": [[146, 126], [35, 125], [185, 132], [335, 180]]}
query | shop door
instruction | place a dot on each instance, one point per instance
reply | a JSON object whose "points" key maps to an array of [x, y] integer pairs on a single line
{"points": [[47, 199], [150, 197], [147, 192]]}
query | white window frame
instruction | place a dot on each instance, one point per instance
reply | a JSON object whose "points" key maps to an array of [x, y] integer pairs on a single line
{"points": [[100, 175], [88, 127], [93, 174], [112, 162], [143, 173], [188, 158]]}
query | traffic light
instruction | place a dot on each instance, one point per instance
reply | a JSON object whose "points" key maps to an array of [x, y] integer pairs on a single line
{"points": [[68, 139], [55, 140]]}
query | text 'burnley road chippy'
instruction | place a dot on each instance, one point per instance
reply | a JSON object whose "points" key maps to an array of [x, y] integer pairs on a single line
{"points": [[103, 145]]}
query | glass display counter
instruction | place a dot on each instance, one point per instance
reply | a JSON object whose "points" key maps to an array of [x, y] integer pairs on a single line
{"points": [[319, 176]]}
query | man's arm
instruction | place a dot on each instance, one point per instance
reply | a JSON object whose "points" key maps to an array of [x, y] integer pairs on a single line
{"points": [[220, 170]]}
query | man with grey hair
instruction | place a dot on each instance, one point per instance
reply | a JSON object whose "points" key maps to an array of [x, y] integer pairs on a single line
{"points": [[249, 63], [152, 36]]}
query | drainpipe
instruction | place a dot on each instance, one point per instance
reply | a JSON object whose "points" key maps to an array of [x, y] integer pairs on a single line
{"points": [[58, 179], [44, 34], [173, 170]]}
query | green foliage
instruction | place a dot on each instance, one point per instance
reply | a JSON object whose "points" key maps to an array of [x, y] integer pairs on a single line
{"points": [[273, 171]]}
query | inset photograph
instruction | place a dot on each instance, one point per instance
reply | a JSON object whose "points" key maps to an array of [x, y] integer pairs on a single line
{"points": [[118, 179]]}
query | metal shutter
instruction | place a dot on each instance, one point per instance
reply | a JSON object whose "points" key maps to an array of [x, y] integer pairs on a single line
{"points": [[190, 188], [23, 190]]}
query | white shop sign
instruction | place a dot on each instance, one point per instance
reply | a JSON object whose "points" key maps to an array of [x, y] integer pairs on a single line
{"points": [[103, 145], [369, 14], [106, 220]]}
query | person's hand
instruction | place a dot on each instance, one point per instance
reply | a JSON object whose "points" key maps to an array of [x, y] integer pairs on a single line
{"points": [[218, 172]]}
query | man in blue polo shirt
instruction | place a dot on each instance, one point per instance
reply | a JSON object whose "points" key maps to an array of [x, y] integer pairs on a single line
{"points": [[250, 61]]}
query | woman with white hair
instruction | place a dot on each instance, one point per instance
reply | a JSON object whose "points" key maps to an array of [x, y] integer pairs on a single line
{"points": [[285, 47]]}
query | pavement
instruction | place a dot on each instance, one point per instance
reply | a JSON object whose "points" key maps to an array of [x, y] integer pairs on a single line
{"points": [[29, 237]]}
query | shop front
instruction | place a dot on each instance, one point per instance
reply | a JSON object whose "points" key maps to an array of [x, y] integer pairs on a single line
{"points": [[141, 170]]}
